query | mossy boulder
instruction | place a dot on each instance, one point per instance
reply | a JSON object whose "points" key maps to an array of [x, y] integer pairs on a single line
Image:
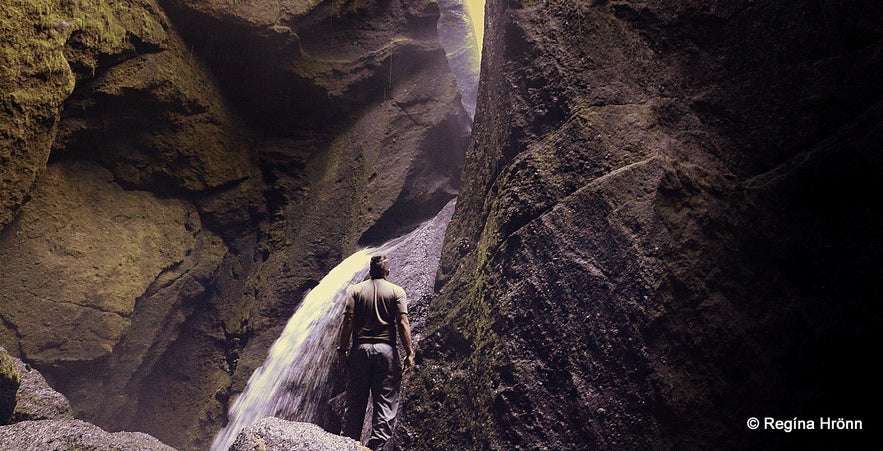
{"points": [[9, 383]]}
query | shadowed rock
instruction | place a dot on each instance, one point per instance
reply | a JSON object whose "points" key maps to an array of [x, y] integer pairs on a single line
{"points": [[9, 384], [43, 418], [36, 399], [666, 227]]}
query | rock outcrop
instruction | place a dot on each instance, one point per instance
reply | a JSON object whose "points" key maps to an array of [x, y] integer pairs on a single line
{"points": [[457, 34], [74, 434], [361, 135], [36, 400], [25, 395], [80, 255], [273, 434], [665, 228], [34, 79]]}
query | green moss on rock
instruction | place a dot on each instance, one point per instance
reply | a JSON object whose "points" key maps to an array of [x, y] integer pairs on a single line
{"points": [[9, 383], [77, 259]]}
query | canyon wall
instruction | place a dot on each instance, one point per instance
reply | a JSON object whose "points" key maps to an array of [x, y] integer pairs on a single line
{"points": [[665, 227], [176, 175]]}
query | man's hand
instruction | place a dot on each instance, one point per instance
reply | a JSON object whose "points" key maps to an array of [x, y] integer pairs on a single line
{"points": [[408, 364], [343, 342], [341, 361], [405, 334]]}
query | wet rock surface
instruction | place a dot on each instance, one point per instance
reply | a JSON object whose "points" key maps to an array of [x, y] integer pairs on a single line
{"points": [[457, 35], [647, 250]]}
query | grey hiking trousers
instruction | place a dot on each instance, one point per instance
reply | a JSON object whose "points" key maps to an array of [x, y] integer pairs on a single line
{"points": [[374, 368]]}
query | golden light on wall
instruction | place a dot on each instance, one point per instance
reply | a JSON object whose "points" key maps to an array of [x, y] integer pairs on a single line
{"points": [[476, 12]]}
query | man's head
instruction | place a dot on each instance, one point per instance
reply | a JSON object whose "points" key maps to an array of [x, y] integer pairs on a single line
{"points": [[379, 267]]}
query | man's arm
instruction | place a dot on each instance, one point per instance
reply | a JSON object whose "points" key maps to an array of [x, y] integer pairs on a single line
{"points": [[405, 332], [346, 331]]}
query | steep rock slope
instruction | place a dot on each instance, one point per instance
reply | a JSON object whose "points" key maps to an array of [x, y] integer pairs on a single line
{"points": [[34, 79], [665, 229]]}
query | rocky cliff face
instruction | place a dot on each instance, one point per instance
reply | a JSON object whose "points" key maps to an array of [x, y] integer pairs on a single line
{"points": [[176, 174], [665, 229]]}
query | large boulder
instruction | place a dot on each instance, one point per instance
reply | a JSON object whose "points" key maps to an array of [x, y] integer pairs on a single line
{"points": [[665, 228], [25, 395], [273, 434], [99, 282], [36, 399], [43, 418], [74, 434], [78, 258]]}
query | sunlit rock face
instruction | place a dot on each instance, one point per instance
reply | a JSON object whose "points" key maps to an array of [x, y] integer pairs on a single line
{"points": [[665, 228], [99, 281], [457, 33], [80, 255]]}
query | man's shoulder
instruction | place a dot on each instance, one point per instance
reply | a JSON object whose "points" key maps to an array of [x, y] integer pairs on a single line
{"points": [[393, 286], [359, 286]]}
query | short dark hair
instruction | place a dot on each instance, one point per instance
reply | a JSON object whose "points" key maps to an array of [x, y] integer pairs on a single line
{"points": [[379, 268]]}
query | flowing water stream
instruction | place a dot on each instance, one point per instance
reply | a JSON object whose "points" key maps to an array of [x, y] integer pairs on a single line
{"points": [[293, 381]]}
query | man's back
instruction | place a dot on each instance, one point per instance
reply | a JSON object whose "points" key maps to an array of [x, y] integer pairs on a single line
{"points": [[375, 304], [375, 311]]}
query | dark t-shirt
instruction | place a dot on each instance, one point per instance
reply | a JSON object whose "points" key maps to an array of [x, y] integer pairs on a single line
{"points": [[375, 303]]}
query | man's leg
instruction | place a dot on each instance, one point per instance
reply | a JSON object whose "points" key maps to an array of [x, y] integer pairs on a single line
{"points": [[357, 387], [386, 379]]}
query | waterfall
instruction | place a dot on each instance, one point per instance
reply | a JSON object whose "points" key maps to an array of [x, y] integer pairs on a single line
{"points": [[292, 382]]}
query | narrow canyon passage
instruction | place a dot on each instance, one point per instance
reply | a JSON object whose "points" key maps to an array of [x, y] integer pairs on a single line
{"points": [[666, 232]]}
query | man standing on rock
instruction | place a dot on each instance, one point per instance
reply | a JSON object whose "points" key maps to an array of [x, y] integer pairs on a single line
{"points": [[375, 310]]}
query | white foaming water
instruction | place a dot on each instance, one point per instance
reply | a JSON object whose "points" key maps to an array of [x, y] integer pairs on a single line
{"points": [[292, 382], [293, 377]]}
